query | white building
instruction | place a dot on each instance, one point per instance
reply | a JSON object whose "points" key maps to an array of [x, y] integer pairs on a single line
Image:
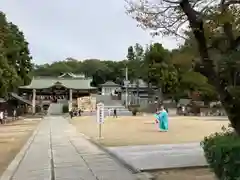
{"points": [[109, 88]]}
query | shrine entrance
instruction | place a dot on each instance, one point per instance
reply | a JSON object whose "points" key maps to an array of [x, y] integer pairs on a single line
{"points": [[65, 90]]}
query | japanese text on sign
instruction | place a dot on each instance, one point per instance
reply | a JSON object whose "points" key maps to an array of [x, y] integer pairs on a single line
{"points": [[100, 113]]}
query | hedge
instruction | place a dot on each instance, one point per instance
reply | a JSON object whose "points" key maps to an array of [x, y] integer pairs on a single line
{"points": [[65, 108], [133, 106], [222, 152], [135, 111]]}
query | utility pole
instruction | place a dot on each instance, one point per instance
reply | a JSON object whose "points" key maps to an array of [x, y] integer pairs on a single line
{"points": [[126, 84]]}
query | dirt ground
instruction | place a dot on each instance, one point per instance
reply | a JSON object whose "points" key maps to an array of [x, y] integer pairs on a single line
{"points": [[188, 174], [12, 138], [141, 130]]}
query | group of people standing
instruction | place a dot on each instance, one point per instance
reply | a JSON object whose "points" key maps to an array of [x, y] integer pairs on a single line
{"points": [[4, 115], [162, 119], [75, 112]]}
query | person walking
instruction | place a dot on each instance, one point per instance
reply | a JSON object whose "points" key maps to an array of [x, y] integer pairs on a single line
{"points": [[162, 118], [71, 114], [109, 112], [5, 116], [1, 117], [115, 113], [14, 114]]}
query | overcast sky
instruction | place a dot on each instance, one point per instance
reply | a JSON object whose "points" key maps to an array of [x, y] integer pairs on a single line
{"points": [[82, 29]]}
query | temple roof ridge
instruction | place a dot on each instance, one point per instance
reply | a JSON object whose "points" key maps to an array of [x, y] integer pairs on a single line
{"points": [[68, 82], [70, 74]]}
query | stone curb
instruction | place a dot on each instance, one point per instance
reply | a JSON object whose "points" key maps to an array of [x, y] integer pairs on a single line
{"points": [[123, 162], [120, 160], [138, 173], [13, 166], [176, 168]]}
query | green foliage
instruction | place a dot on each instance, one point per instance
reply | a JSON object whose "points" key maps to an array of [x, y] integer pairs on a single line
{"points": [[134, 62], [9, 80], [65, 108], [162, 68], [131, 54], [15, 66], [161, 71], [222, 153], [18, 54], [213, 34]]}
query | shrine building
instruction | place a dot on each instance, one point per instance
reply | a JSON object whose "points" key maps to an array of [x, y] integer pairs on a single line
{"points": [[65, 88]]}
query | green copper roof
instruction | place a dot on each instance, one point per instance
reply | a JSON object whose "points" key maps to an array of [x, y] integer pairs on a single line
{"points": [[70, 83]]}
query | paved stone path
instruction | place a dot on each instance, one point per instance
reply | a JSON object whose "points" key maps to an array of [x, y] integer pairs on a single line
{"points": [[161, 156], [58, 152]]}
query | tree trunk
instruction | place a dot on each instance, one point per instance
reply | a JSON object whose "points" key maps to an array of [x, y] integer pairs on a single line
{"points": [[230, 104], [160, 97], [149, 92], [138, 91]]}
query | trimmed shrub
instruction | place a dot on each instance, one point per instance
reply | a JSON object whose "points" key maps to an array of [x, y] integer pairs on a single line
{"points": [[134, 111], [222, 152], [133, 106], [65, 108]]}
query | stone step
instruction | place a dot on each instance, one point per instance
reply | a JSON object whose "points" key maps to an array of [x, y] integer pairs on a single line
{"points": [[55, 109]]}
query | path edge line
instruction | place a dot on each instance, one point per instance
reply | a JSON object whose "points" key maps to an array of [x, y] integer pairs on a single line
{"points": [[13, 166]]}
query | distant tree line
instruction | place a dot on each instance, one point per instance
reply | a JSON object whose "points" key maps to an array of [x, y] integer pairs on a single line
{"points": [[171, 71]]}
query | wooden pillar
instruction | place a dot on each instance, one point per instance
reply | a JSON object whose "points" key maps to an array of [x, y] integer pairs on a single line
{"points": [[70, 100], [34, 101]]}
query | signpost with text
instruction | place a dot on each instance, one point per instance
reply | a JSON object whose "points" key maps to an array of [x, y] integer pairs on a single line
{"points": [[100, 118]]}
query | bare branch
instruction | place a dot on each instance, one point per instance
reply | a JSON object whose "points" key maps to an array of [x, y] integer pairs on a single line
{"points": [[160, 17], [172, 2], [230, 2], [165, 17], [227, 26]]}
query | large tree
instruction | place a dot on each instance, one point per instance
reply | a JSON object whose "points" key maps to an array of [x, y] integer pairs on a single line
{"points": [[215, 26], [18, 53], [9, 79], [15, 58], [135, 57], [161, 72], [190, 81]]}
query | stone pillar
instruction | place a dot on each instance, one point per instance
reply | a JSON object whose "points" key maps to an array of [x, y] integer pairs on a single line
{"points": [[70, 100], [34, 101]]}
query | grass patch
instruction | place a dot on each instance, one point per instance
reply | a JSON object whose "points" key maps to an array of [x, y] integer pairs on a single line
{"points": [[141, 130], [12, 138]]}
